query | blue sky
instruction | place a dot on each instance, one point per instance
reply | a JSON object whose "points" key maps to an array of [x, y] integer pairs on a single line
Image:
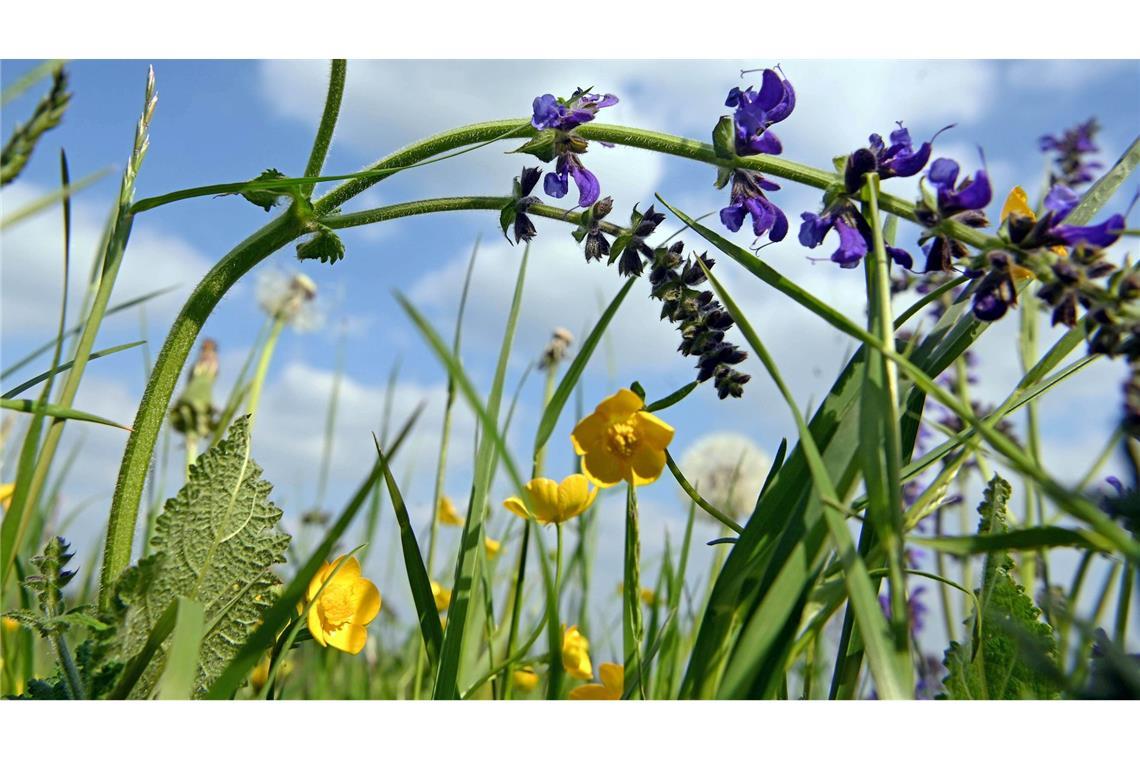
{"points": [[222, 121]]}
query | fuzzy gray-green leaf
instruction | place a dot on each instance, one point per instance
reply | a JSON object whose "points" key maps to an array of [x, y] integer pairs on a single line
{"points": [[215, 543], [1010, 621]]}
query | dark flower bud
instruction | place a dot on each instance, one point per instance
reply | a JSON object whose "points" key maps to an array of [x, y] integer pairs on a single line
{"points": [[859, 163], [603, 207], [528, 179], [597, 247]]}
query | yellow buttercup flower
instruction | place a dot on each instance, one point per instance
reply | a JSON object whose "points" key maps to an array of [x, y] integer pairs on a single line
{"points": [[6, 490], [348, 603], [11, 625], [648, 596], [492, 546], [555, 502], [620, 441], [442, 597], [446, 513], [525, 679], [611, 687], [576, 654]]}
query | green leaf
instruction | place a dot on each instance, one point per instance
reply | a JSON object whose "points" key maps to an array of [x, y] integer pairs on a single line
{"points": [[182, 664], [672, 398], [324, 246], [574, 372], [33, 382], [724, 139], [215, 543], [1104, 188], [507, 218], [55, 410], [1010, 622], [541, 146], [430, 627], [266, 199], [467, 566], [1026, 539]]}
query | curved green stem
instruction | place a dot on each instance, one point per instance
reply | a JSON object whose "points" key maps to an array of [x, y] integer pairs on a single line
{"points": [[160, 388], [328, 123]]}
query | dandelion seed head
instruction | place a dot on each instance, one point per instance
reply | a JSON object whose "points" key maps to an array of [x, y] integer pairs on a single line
{"points": [[728, 470]]}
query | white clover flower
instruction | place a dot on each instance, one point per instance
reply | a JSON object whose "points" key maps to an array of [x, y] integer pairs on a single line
{"points": [[728, 470], [290, 296]]}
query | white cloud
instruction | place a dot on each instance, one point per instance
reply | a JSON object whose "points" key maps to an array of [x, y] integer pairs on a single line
{"points": [[33, 264], [1062, 75]]}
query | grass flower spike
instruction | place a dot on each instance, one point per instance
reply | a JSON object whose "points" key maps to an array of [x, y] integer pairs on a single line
{"points": [[347, 604], [555, 502], [620, 441], [576, 654], [611, 687]]}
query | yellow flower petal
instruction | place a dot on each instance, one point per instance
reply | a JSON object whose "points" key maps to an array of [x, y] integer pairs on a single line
{"points": [[348, 572], [647, 464], [515, 505], [588, 434], [603, 469], [613, 677], [317, 581], [544, 499], [369, 602], [348, 638], [654, 431], [6, 491], [620, 405], [1017, 202], [315, 628], [574, 496], [592, 691], [446, 512], [492, 546], [525, 679], [442, 597], [576, 654]]}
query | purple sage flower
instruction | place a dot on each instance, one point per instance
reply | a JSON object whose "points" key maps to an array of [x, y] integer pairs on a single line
{"points": [[854, 235], [1071, 146], [562, 117], [899, 159], [971, 194], [747, 198], [756, 111], [1060, 201]]}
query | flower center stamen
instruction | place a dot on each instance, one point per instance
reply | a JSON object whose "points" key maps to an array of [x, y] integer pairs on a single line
{"points": [[621, 438], [337, 605]]}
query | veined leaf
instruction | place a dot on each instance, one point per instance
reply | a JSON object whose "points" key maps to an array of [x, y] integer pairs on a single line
{"points": [[1010, 621], [215, 542]]}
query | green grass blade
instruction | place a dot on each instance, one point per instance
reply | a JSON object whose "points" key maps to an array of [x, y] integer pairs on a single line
{"points": [[1104, 188], [182, 662], [75, 329], [672, 398], [1024, 539], [471, 549], [699, 500], [28, 406], [33, 382], [492, 434], [138, 664], [430, 628], [889, 679], [46, 201], [574, 372]]}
